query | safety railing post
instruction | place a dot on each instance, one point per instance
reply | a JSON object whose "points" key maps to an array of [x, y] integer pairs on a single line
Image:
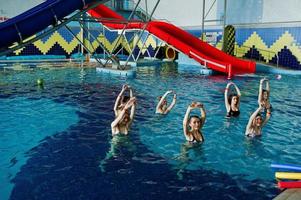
{"points": [[123, 30], [143, 44], [229, 71], [143, 30], [87, 49]]}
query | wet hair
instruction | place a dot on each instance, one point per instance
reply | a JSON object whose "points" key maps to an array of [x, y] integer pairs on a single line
{"points": [[194, 116], [231, 96], [255, 119], [258, 115]]}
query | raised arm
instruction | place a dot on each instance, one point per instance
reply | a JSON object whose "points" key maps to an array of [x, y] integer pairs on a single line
{"points": [[185, 122], [267, 117], [267, 85], [172, 103], [228, 106], [131, 91], [203, 113], [260, 91], [251, 120], [132, 102], [124, 87], [237, 90], [118, 118], [238, 93], [161, 100]]}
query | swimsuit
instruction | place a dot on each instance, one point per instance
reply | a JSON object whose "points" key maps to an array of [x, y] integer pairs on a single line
{"points": [[233, 113], [195, 141], [263, 104], [253, 134], [264, 110]]}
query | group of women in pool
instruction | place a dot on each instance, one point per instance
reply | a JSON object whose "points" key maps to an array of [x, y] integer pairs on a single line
{"points": [[125, 107]]}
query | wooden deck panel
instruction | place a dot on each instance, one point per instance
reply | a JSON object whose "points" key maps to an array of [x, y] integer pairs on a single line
{"points": [[289, 194]]}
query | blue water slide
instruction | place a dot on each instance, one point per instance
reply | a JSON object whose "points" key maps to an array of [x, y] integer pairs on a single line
{"points": [[36, 19]]}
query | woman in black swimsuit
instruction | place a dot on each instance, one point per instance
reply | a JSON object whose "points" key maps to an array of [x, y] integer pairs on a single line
{"points": [[192, 125], [232, 101]]}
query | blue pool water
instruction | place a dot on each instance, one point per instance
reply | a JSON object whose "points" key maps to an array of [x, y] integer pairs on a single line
{"points": [[24, 123], [56, 142]]}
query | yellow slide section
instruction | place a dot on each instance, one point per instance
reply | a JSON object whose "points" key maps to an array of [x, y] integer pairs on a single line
{"points": [[288, 175]]}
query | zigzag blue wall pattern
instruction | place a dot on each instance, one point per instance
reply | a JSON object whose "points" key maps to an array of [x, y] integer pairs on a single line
{"points": [[284, 42]]}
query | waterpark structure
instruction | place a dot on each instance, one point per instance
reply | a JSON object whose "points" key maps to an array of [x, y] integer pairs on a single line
{"points": [[49, 16]]}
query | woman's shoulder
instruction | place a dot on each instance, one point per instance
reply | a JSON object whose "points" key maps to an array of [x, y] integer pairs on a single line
{"points": [[253, 133], [159, 111]]}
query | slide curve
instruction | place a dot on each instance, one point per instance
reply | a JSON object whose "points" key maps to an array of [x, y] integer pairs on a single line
{"points": [[37, 19], [180, 39]]}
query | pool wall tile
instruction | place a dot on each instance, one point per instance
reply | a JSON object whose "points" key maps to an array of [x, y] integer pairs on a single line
{"points": [[262, 44]]}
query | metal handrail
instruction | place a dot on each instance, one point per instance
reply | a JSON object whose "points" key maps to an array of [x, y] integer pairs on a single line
{"points": [[123, 30], [87, 49], [200, 58], [208, 61], [143, 30], [227, 67]]}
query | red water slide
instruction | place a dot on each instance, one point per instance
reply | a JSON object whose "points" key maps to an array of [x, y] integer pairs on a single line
{"points": [[183, 41]]}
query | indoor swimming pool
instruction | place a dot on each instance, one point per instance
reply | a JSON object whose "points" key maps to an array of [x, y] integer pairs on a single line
{"points": [[56, 141]]}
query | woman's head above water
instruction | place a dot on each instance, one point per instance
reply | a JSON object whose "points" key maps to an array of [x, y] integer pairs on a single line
{"points": [[233, 99], [194, 122]]}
